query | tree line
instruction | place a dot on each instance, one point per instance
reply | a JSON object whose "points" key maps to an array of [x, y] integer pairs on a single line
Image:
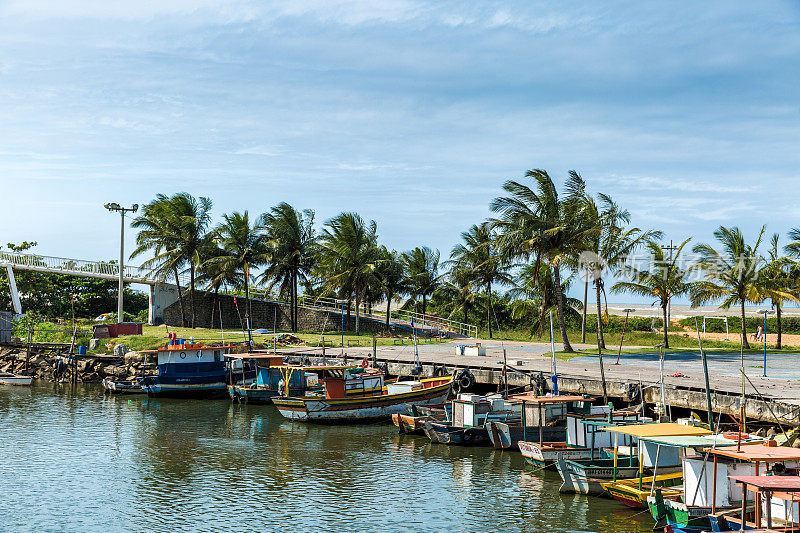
{"points": [[539, 241]]}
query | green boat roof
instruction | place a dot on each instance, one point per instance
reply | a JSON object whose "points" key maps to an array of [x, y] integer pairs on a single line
{"points": [[692, 441]]}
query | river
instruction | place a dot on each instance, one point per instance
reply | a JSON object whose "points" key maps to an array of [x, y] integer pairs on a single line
{"points": [[74, 460]]}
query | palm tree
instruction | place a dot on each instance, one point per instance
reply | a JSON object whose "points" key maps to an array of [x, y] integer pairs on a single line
{"points": [[216, 275], [665, 280], [291, 238], [347, 256], [176, 230], [421, 266], [609, 246], [243, 246], [776, 282], [731, 274], [478, 257], [457, 293], [533, 294], [539, 224], [390, 278]]}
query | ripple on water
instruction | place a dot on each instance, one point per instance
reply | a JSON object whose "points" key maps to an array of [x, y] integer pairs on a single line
{"points": [[79, 461]]}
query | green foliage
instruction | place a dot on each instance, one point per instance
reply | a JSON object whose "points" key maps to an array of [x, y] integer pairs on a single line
{"points": [[49, 295], [790, 325]]}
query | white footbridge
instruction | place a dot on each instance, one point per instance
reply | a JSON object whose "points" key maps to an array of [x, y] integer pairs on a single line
{"points": [[163, 293]]}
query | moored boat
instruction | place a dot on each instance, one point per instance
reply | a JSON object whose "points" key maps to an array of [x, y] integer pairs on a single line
{"points": [[258, 377], [542, 419], [635, 491], [471, 416], [7, 378], [130, 386], [587, 477], [189, 370], [360, 395]]}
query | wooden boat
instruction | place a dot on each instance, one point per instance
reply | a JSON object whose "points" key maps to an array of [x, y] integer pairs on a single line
{"points": [[189, 370], [543, 419], [545, 454], [413, 423], [470, 420], [776, 508], [586, 477], [634, 492], [707, 489], [7, 378], [258, 377], [131, 386], [359, 395], [584, 436]]}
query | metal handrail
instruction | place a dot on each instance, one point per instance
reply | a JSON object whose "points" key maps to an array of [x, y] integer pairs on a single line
{"points": [[96, 269]]}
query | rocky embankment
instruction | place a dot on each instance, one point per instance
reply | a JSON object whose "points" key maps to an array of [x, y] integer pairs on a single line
{"points": [[48, 365]]}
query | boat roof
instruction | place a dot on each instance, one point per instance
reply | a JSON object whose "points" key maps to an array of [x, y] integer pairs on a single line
{"points": [[532, 398], [659, 430], [253, 355], [780, 483], [193, 346], [690, 441], [759, 452]]}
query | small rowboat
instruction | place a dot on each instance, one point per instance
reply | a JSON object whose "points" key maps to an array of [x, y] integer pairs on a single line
{"points": [[7, 378], [446, 433], [130, 386], [413, 423], [546, 454]]}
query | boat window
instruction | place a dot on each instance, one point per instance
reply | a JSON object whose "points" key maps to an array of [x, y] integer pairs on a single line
{"points": [[199, 354], [216, 356]]}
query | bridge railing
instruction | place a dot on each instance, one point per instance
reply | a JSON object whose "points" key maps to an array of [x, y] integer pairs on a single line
{"points": [[434, 324], [63, 265]]}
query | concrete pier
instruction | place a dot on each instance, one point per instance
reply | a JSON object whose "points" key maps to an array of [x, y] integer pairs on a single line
{"points": [[774, 400]]}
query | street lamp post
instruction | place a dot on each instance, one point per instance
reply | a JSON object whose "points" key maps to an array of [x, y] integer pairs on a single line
{"points": [[765, 312], [122, 210], [624, 325]]}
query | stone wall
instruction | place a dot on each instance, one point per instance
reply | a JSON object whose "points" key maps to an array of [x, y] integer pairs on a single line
{"points": [[266, 314]]}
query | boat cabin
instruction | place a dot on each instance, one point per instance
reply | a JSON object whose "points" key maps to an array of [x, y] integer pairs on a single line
{"points": [[779, 506], [473, 410], [585, 430], [706, 481], [195, 359], [345, 382]]}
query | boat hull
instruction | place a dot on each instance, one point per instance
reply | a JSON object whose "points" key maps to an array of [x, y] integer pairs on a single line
{"points": [[259, 395], [185, 388], [546, 455], [122, 387], [588, 478], [322, 410], [14, 380], [410, 425], [507, 436], [628, 492], [444, 433]]}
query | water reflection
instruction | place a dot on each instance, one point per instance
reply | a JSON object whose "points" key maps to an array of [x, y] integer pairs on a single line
{"points": [[95, 463]]}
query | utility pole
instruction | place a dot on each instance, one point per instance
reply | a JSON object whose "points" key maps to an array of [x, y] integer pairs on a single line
{"points": [[122, 210], [671, 247]]}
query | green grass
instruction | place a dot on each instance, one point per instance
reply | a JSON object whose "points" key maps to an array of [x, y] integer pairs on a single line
{"points": [[156, 336]]}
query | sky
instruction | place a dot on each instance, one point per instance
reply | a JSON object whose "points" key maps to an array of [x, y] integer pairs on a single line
{"points": [[411, 113]]}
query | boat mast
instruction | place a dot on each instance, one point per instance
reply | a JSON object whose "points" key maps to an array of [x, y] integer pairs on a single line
{"points": [[705, 375], [553, 358]]}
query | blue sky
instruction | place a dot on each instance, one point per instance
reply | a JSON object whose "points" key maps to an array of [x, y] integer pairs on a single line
{"points": [[411, 113]]}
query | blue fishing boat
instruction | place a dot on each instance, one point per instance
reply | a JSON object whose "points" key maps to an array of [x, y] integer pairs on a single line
{"points": [[189, 370]]}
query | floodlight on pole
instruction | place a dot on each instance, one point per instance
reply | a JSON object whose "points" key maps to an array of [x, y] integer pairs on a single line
{"points": [[113, 206]]}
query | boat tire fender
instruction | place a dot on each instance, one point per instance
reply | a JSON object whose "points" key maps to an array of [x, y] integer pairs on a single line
{"points": [[364, 363]]}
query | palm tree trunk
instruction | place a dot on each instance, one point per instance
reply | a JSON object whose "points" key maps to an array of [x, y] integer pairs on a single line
{"points": [[560, 309], [294, 301], [601, 341], [191, 294], [745, 343], [585, 301], [247, 305], [489, 307], [358, 307], [388, 308], [423, 304], [180, 298], [778, 319], [666, 337]]}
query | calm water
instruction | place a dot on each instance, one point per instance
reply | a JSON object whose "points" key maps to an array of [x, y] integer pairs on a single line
{"points": [[74, 460]]}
